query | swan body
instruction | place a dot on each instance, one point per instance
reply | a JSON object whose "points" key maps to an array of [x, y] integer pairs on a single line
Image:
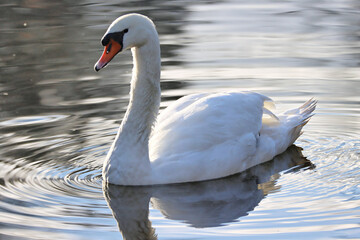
{"points": [[198, 137]]}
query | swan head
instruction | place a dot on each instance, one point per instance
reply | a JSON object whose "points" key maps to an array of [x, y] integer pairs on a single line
{"points": [[128, 31]]}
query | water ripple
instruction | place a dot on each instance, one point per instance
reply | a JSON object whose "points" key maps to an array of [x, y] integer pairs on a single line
{"points": [[43, 195], [29, 120]]}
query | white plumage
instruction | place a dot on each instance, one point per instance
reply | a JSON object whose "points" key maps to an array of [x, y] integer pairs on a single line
{"points": [[198, 137]]}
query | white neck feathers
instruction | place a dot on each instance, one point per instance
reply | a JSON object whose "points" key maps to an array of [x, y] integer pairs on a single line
{"points": [[129, 154]]}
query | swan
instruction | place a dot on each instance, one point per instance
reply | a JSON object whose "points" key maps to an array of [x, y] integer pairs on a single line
{"points": [[198, 137]]}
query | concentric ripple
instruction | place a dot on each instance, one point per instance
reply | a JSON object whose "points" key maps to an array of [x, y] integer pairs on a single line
{"points": [[44, 197], [46, 185]]}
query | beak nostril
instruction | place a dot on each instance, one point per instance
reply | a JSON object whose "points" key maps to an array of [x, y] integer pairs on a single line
{"points": [[108, 48]]}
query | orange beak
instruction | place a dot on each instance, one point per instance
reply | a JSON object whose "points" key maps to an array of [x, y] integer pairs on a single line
{"points": [[111, 49]]}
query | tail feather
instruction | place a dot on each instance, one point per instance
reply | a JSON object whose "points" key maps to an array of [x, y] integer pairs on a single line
{"points": [[302, 116], [289, 127], [303, 113], [306, 111]]}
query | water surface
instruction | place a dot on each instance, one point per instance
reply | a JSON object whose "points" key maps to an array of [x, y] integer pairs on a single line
{"points": [[58, 118]]}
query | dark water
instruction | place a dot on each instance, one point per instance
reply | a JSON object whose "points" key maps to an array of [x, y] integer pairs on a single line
{"points": [[58, 118]]}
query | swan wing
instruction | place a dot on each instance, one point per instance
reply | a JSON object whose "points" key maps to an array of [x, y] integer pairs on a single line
{"points": [[200, 122]]}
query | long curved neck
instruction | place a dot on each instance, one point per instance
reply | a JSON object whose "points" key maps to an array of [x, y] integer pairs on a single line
{"points": [[128, 158], [144, 93]]}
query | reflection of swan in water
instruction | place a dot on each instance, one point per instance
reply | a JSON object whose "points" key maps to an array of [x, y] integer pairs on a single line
{"points": [[130, 207], [201, 204]]}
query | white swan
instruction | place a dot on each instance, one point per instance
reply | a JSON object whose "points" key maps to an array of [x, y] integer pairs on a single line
{"points": [[200, 136]]}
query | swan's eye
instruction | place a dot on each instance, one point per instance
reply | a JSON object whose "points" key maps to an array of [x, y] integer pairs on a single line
{"points": [[108, 48], [126, 30]]}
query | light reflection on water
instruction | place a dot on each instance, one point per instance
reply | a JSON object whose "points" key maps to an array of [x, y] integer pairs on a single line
{"points": [[58, 119]]}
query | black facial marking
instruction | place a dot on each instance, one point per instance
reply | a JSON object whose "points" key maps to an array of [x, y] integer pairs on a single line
{"points": [[105, 40], [117, 36]]}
